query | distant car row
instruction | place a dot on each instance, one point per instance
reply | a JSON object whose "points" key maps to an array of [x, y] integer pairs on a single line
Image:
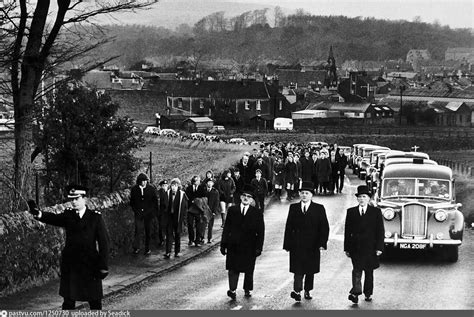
{"points": [[416, 196]]}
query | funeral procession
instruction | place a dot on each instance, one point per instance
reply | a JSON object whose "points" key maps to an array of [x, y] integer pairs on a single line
{"points": [[236, 155]]}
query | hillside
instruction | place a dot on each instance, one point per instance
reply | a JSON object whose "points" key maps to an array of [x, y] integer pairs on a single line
{"points": [[297, 38]]}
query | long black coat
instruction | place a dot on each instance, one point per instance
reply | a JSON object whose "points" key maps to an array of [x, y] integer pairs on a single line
{"points": [[363, 235], [242, 237], [146, 205], [81, 260], [304, 235]]}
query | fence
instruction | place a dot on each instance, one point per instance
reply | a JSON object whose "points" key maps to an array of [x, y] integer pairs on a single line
{"points": [[458, 167]]}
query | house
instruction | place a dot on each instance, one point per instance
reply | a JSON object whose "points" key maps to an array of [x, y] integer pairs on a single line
{"points": [[172, 121], [301, 78], [226, 102], [460, 54], [198, 124], [413, 56], [358, 87]]}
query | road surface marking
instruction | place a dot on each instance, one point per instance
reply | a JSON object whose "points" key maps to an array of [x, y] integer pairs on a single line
{"points": [[238, 307]]}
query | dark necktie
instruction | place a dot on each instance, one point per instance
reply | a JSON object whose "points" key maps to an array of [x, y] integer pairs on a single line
{"points": [[304, 209], [243, 211]]}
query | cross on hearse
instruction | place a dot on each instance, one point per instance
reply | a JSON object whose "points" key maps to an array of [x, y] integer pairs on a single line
{"points": [[414, 148]]}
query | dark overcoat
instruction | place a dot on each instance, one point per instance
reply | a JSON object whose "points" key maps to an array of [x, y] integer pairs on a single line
{"points": [[363, 235], [304, 235], [242, 237], [85, 253], [167, 216], [307, 169], [144, 206]]}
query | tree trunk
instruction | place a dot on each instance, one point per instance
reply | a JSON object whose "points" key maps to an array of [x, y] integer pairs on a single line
{"points": [[23, 147]]}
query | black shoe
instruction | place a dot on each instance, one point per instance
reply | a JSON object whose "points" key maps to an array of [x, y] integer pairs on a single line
{"points": [[167, 255], [209, 241], [147, 252], [368, 298], [177, 255], [248, 294], [231, 294], [296, 296], [190, 243], [353, 298], [307, 295], [136, 251]]}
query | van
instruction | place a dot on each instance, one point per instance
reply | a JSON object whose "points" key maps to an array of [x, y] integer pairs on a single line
{"points": [[283, 124]]}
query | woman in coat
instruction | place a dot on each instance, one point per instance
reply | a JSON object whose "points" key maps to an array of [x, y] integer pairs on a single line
{"points": [[226, 187], [306, 233], [290, 177], [324, 171]]}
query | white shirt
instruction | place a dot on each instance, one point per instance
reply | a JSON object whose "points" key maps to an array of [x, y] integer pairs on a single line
{"points": [[141, 188], [362, 210], [245, 208], [81, 212], [305, 206]]}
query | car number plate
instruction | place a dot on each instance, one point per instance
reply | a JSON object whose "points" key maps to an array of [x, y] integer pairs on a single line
{"points": [[417, 246]]}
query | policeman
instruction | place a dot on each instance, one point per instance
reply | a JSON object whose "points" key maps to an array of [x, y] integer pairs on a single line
{"points": [[84, 260]]}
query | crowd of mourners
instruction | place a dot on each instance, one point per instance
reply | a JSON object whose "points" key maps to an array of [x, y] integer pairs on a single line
{"points": [[272, 169]]}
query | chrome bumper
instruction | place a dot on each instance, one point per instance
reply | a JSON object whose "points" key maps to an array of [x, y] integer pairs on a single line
{"points": [[431, 241]]}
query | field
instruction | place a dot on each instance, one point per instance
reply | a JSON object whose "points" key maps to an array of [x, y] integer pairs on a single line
{"points": [[173, 158]]}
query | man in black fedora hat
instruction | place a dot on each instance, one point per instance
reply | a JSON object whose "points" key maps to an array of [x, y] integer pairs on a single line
{"points": [[84, 259], [306, 233], [363, 243], [242, 241]]}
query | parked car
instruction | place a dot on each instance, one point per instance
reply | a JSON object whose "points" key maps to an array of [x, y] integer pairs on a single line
{"points": [[238, 141], [282, 124], [213, 138], [217, 129], [169, 132], [152, 130], [419, 208], [198, 136]]}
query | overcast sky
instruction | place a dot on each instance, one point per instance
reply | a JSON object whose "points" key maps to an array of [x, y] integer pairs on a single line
{"points": [[455, 13]]}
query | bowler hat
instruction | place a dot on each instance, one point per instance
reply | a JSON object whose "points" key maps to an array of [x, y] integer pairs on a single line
{"points": [[75, 191], [248, 189], [363, 190], [308, 186]]}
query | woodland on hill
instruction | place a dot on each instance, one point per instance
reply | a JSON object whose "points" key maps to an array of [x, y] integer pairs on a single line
{"points": [[249, 38]]}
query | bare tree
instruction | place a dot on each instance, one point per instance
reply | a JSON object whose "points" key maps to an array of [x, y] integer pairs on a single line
{"points": [[278, 16], [36, 43]]}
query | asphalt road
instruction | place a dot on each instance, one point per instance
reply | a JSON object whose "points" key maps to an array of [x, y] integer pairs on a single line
{"points": [[406, 281]]}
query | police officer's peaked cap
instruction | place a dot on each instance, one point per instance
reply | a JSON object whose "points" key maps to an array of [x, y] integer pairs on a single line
{"points": [[75, 191], [163, 182]]}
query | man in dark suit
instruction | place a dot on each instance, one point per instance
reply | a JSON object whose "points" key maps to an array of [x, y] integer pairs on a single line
{"points": [[363, 243], [174, 212], [144, 203], [306, 233], [84, 259], [194, 190], [242, 241]]}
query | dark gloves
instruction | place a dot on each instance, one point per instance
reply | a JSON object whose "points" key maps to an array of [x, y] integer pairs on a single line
{"points": [[223, 251], [103, 274], [33, 208], [258, 252]]}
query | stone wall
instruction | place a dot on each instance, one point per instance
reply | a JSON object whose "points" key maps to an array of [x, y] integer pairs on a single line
{"points": [[140, 105], [30, 250]]}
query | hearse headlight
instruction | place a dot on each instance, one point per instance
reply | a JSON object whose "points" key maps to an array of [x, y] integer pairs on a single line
{"points": [[440, 215], [388, 213]]}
